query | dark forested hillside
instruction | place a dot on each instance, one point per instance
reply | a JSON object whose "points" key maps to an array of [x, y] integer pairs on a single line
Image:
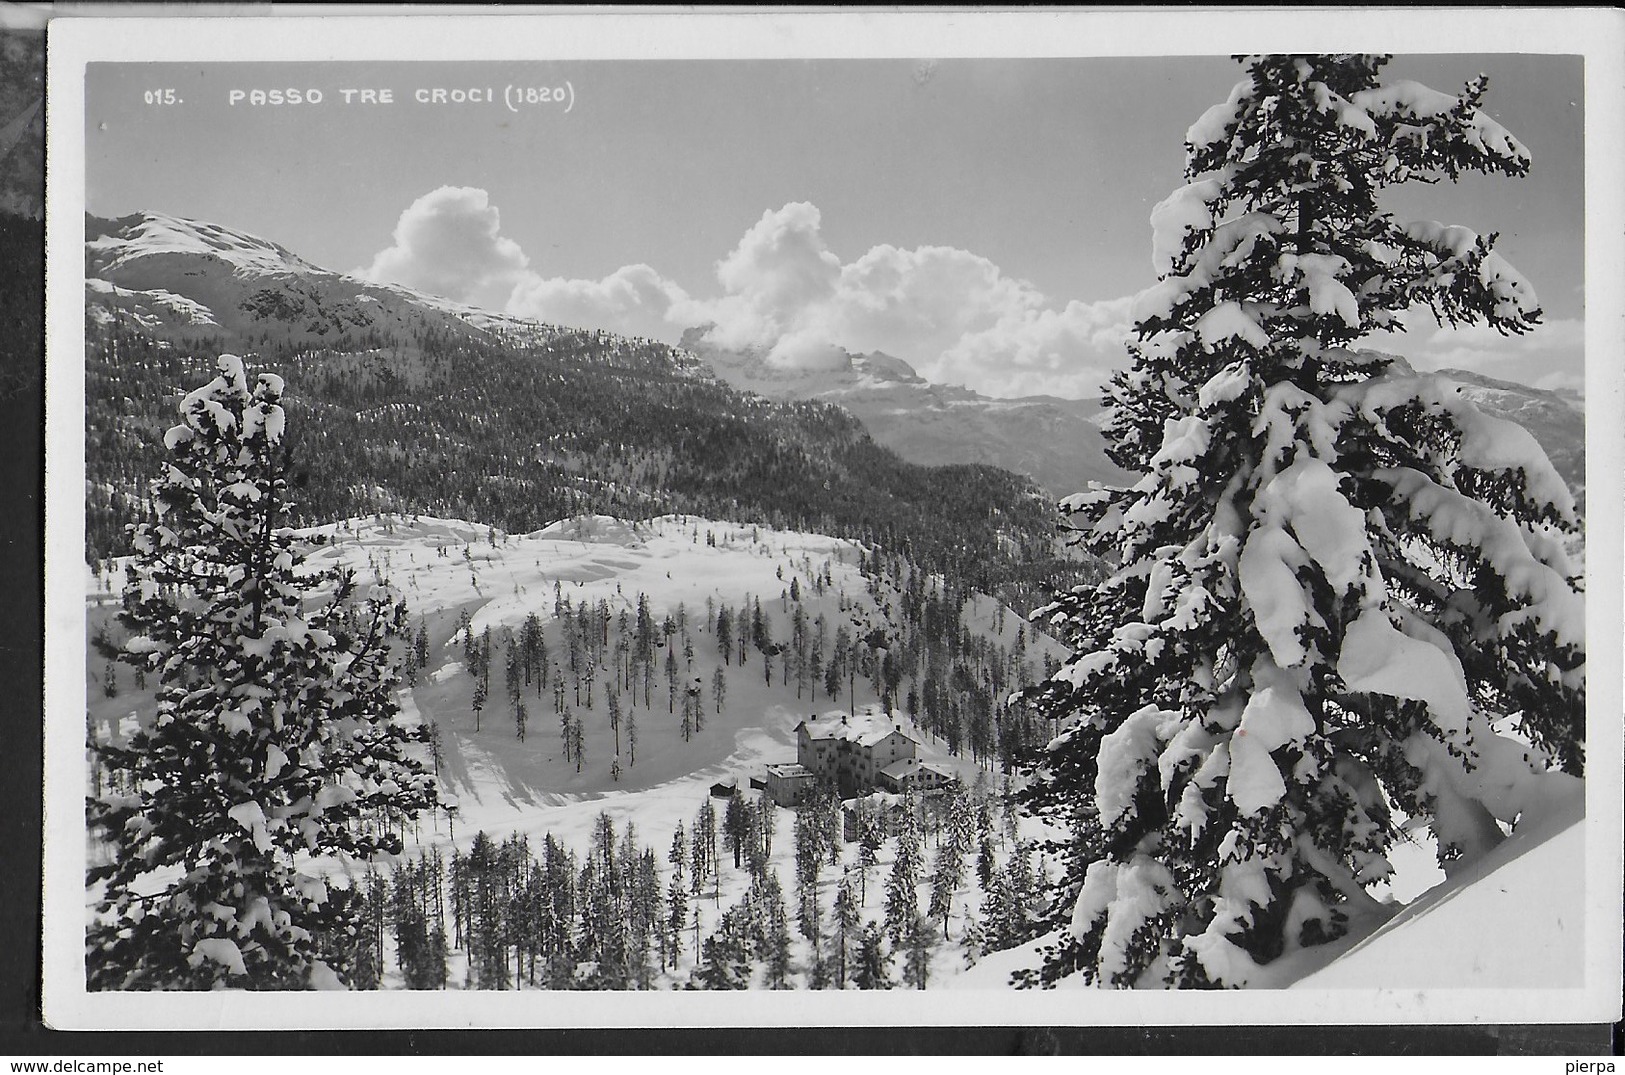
{"points": [[517, 433]]}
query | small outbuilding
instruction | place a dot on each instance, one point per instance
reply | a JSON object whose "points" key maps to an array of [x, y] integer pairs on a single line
{"points": [[790, 783]]}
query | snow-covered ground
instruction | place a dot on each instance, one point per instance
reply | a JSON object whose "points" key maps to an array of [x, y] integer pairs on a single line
{"points": [[1434, 935], [503, 785], [1515, 918], [675, 561]]}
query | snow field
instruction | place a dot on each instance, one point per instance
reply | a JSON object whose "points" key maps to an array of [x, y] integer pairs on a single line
{"points": [[504, 786], [592, 560]]}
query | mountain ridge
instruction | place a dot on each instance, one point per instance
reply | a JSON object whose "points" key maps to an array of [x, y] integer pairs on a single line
{"points": [[403, 404], [192, 281], [144, 260], [1054, 441]]}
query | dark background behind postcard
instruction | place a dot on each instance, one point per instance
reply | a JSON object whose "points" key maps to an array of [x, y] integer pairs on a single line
{"points": [[22, 345]]}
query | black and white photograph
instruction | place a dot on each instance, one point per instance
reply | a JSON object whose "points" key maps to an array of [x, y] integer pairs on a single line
{"points": [[920, 518]]}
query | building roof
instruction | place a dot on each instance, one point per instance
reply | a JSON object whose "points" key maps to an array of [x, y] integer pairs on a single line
{"points": [[908, 767], [866, 729], [789, 770], [878, 797]]}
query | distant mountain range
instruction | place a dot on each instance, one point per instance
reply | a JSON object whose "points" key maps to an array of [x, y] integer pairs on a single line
{"points": [[1056, 442], [189, 283]]}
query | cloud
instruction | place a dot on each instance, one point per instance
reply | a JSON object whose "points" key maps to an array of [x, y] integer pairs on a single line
{"points": [[1068, 352], [775, 278], [633, 300], [449, 243], [1562, 381], [952, 314]]}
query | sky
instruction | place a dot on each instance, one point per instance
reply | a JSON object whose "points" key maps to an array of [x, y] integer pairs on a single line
{"points": [[984, 219]]}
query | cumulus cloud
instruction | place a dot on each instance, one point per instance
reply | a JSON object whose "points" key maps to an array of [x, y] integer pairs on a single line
{"points": [[633, 300], [957, 317], [952, 314], [778, 272], [1563, 381], [1068, 352], [449, 243]]}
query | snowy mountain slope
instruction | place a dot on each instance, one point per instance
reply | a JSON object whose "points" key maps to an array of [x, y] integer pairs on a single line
{"points": [[444, 568], [1055, 442], [130, 240], [590, 559], [153, 309], [247, 289]]}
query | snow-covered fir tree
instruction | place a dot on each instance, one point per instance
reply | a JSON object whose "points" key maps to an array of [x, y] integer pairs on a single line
{"points": [[1337, 586], [274, 741], [873, 969], [902, 886]]}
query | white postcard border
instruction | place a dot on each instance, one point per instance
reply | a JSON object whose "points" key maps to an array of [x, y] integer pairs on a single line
{"points": [[585, 34]]}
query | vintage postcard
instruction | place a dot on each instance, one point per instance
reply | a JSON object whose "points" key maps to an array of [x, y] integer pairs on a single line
{"points": [[911, 518]]}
